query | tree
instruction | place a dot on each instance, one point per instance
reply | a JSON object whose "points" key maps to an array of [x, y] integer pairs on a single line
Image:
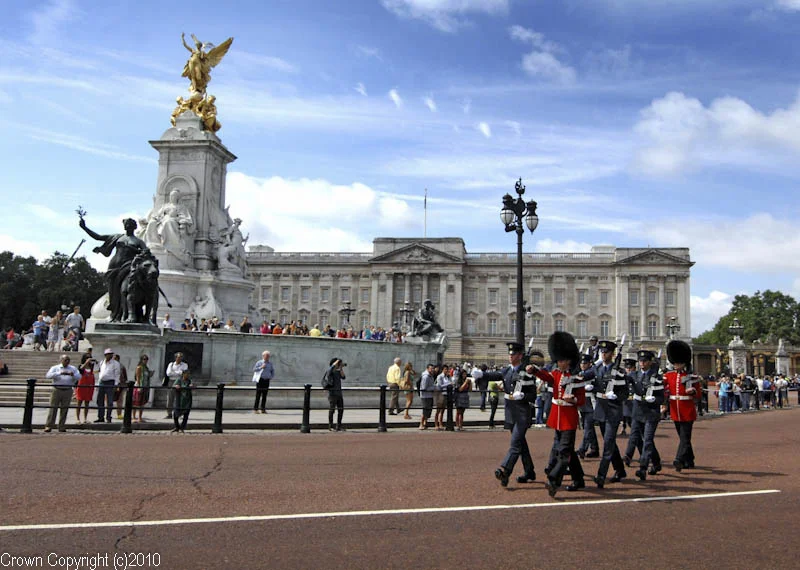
{"points": [[26, 288], [766, 317]]}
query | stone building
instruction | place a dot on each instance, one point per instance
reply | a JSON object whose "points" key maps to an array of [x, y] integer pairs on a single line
{"points": [[607, 292]]}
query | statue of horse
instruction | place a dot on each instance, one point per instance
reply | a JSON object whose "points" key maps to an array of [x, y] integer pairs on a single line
{"points": [[140, 289]]}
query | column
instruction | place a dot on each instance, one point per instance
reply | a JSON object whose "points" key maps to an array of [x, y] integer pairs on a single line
{"points": [[662, 306], [643, 281], [441, 306], [621, 304], [373, 300], [388, 305]]}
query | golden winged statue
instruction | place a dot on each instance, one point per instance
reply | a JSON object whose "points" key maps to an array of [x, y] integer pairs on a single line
{"points": [[198, 71], [204, 57]]}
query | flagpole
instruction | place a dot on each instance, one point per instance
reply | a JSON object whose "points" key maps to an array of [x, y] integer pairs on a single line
{"points": [[425, 227]]}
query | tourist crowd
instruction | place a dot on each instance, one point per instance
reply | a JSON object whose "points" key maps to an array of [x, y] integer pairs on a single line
{"points": [[292, 328]]}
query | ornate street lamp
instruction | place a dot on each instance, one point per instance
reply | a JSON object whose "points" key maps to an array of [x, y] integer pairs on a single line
{"points": [[346, 311], [406, 311], [514, 211], [672, 327], [736, 329]]}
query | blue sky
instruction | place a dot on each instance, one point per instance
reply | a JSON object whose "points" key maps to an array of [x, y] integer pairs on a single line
{"points": [[632, 123]]}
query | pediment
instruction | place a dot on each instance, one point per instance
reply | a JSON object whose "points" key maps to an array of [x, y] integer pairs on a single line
{"points": [[416, 253], [654, 257]]}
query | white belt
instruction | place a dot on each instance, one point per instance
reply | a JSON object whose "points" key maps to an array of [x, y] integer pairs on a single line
{"points": [[637, 397], [618, 382], [681, 398], [550, 389], [657, 387], [560, 402]]}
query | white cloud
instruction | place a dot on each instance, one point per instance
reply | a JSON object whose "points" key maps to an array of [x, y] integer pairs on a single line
{"points": [[445, 15], [552, 246], [367, 51], [24, 248], [541, 61], [484, 129], [430, 103], [361, 89], [679, 133], [275, 211], [706, 311], [514, 126], [395, 97], [81, 144], [48, 20], [789, 5], [249, 60], [759, 243], [466, 106]]}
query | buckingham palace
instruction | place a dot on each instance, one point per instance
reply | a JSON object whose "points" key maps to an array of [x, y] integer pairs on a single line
{"points": [[605, 292]]}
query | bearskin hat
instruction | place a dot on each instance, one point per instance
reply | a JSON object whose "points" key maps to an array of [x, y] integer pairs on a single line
{"points": [[678, 352], [561, 346]]}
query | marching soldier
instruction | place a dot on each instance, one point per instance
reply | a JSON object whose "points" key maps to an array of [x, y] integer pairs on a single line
{"points": [[589, 446], [611, 389], [679, 386], [648, 397], [520, 391], [629, 365], [568, 395]]}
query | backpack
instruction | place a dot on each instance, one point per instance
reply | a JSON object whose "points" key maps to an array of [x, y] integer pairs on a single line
{"points": [[327, 379]]}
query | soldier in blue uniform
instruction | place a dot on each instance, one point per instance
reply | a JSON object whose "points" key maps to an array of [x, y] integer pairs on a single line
{"points": [[589, 446], [519, 389], [611, 389], [627, 406], [648, 397]]}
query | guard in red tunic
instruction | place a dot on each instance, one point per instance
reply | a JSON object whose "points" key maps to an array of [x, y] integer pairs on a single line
{"points": [[679, 387], [568, 397]]}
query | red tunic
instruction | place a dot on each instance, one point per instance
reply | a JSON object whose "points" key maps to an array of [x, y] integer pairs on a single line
{"points": [[682, 406], [563, 416]]}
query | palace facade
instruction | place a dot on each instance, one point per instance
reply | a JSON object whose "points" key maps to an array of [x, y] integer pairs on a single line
{"points": [[607, 292]]}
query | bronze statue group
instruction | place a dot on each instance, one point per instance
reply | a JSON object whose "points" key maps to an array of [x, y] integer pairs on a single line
{"points": [[599, 383]]}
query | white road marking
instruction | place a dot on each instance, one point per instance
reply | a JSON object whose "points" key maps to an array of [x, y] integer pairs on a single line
{"points": [[252, 518]]}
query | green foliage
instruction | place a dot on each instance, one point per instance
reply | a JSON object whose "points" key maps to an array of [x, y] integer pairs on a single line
{"points": [[766, 316], [26, 287]]}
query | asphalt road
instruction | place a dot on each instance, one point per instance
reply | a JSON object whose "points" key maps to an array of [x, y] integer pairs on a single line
{"points": [[403, 499]]}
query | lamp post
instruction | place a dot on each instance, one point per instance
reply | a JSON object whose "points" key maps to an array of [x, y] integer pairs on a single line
{"points": [[672, 327], [514, 211], [736, 329], [406, 311], [346, 311]]}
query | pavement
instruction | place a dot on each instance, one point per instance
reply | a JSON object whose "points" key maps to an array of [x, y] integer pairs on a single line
{"points": [[398, 500]]}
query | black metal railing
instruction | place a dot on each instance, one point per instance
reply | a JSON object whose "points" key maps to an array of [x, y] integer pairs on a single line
{"points": [[219, 407]]}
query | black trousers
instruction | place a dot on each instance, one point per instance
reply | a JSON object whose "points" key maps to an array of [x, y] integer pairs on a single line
{"points": [[611, 454], [335, 402], [635, 439], [685, 453], [262, 390], [493, 405], [589, 442], [563, 452], [181, 416], [649, 453]]}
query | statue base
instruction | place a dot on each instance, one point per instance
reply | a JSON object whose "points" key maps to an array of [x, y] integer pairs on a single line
{"points": [[126, 328]]}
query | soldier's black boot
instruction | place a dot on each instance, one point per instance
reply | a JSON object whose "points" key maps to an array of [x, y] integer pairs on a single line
{"points": [[576, 486], [626, 460], [501, 475], [617, 477], [590, 453], [552, 488], [599, 481], [654, 469], [527, 478], [641, 474], [677, 465]]}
